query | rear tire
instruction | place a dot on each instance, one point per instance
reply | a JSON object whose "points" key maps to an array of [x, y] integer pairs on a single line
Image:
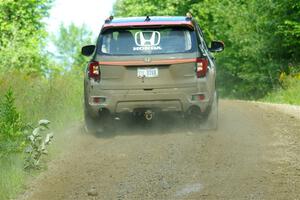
{"points": [[89, 123], [212, 119], [98, 125], [207, 120]]}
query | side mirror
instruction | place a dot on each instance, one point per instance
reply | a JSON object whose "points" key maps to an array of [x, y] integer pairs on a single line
{"points": [[88, 50], [216, 46]]}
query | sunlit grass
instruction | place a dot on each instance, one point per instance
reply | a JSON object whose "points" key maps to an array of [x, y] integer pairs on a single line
{"points": [[288, 95]]}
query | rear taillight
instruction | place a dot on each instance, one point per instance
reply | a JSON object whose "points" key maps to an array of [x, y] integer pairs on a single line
{"points": [[94, 70], [201, 67]]}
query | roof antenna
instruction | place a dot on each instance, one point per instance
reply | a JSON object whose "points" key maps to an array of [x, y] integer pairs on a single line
{"points": [[147, 19]]}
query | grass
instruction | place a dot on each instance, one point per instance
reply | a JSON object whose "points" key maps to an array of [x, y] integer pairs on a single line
{"points": [[12, 176], [289, 94], [58, 99]]}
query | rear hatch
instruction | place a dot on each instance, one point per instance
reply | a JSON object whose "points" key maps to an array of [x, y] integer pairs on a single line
{"points": [[147, 58]]}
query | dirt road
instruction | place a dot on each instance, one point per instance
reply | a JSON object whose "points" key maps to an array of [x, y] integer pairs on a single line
{"points": [[255, 154]]}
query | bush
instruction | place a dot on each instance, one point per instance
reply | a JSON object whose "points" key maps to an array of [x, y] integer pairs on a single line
{"points": [[12, 137], [38, 145], [288, 93]]}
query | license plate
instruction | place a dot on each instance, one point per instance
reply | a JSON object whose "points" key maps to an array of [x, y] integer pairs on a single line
{"points": [[147, 72]]}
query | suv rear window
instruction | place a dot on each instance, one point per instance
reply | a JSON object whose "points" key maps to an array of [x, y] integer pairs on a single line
{"points": [[147, 41]]}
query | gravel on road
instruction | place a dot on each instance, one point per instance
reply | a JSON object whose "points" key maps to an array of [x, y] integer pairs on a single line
{"points": [[254, 154]]}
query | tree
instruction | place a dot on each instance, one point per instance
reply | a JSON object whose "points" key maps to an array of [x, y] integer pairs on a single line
{"points": [[154, 7], [68, 43], [22, 33]]}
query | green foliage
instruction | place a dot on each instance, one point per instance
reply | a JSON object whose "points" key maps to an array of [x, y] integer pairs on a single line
{"points": [[68, 43], [289, 29], [22, 18], [154, 7], [12, 176], [22, 32], [38, 145], [261, 38], [23, 57], [57, 98], [11, 126], [289, 93]]}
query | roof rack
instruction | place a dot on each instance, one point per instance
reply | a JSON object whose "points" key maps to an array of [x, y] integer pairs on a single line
{"points": [[109, 19], [189, 16], [147, 19]]}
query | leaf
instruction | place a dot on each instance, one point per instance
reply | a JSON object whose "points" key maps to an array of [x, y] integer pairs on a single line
{"points": [[36, 132], [31, 138], [48, 138], [44, 123], [29, 149]]}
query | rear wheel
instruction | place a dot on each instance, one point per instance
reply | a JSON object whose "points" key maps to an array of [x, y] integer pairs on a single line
{"points": [[212, 119], [208, 120], [100, 124], [89, 123]]}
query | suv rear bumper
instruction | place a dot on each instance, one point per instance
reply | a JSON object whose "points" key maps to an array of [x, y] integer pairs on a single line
{"points": [[162, 100]]}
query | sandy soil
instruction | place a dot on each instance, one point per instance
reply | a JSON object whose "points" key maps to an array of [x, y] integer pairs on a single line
{"points": [[255, 154]]}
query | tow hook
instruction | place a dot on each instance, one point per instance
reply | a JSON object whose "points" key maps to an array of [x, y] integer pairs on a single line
{"points": [[149, 115]]}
